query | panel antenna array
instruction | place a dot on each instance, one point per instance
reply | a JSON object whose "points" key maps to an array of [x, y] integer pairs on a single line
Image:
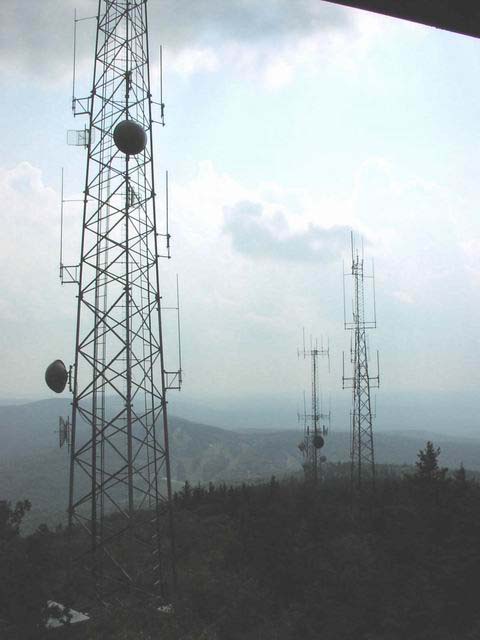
{"points": [[362, 452]]}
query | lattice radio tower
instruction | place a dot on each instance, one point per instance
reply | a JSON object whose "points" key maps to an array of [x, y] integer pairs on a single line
{"points": [[314, 432], [362, 451], [119, 450]]}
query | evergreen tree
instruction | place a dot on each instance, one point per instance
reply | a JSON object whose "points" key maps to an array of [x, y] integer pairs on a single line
{"points": [[460, 476], [427, 467], [23, 597]]}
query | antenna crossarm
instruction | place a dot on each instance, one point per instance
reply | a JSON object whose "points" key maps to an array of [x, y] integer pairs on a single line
{"points": [[81, 106]]}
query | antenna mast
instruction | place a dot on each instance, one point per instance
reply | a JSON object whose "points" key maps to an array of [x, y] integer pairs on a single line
{"points": [[314, 432], [120, 481], [362, 452]]}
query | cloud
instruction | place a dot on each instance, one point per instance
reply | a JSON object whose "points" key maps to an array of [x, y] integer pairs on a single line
{"points": [[403, 296], [255, 263], [246, 20], [29, 238], [470, 249], [233, 303], [424, 235], [266, 42], [257, 235], [190, 61], [36, 313], [36, 37]]}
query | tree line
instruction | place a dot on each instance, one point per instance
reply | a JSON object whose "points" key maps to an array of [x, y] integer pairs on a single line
{"points": [[286, 559]]}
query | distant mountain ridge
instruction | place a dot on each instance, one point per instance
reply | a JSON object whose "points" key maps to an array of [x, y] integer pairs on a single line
{"points": [[32, 466]]}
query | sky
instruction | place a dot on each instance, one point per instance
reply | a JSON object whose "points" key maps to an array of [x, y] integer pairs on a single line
{"points": [[288, 124]]}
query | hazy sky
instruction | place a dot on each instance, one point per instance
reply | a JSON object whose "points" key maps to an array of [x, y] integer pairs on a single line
{"points": [[288, 124]]}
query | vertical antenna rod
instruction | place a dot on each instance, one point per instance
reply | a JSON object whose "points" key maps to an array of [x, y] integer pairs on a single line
{"points": [[74, 70], [162, 104], [167, 231], [180, 373], [61, 226]]}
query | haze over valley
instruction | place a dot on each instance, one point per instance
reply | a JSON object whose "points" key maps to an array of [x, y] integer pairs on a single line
{"points": [[32, 465]]}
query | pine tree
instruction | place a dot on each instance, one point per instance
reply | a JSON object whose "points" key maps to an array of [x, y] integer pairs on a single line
{"points": [[460, 476], [427, 467]]}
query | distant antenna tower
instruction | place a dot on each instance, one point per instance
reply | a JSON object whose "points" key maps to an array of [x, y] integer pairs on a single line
{"points": [[315, 427], [362, 449], [119, 448]]}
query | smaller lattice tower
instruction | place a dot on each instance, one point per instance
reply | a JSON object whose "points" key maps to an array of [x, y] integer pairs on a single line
{"points": [[315, 424], [362, 451]]}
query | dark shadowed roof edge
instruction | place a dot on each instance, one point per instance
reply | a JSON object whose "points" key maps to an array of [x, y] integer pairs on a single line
{"points": [[459, 16]]}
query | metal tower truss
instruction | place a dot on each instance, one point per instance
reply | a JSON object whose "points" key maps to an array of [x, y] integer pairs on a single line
{"points": [[120, 464], [362, 452], [314, 432]]}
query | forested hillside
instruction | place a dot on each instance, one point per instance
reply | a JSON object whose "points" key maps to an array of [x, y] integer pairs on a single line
{"points": [[288, 561], [32, 466]]}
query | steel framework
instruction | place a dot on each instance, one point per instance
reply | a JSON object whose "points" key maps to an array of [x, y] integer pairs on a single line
{"points": [[120, 484], [362, 453], [313, 432]]}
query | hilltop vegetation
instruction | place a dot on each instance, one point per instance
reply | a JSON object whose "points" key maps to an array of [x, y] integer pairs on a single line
{"points": [[287, 561]]}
